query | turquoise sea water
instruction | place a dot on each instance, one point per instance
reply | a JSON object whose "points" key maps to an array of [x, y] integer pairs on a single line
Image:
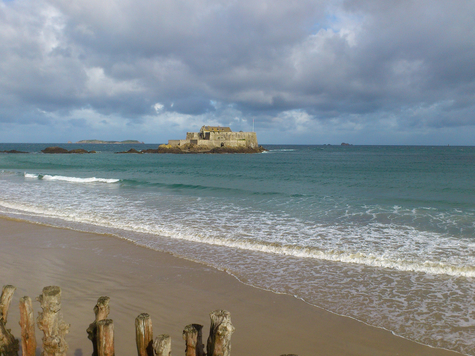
{"points": [[382, 234]]}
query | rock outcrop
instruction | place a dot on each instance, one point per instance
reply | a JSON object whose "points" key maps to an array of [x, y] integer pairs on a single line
{"points": [[132, 150], [13, 151], [195, 149], [56, 149], [191, 148]]}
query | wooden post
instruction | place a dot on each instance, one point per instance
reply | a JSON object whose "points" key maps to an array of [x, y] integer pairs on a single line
{"points": [[221, 329], [27, 324], [192, 334], [5, 300], [51, 322], [162, 346], [8, 344], [101, 310], [144, 335], [105, 337]]}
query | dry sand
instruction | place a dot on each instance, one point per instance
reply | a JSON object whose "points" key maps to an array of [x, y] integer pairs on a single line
{"points": [[175, 292]]}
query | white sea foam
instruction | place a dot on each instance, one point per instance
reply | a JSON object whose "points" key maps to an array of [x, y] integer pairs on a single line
{"points": [[107, 214], [435, 268], [32, 176], [369, 259], [79, 180]]}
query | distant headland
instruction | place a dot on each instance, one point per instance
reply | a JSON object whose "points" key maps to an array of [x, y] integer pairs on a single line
{"points": [[111, 142]]}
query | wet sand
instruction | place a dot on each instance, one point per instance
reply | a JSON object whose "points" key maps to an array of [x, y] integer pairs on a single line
{"points": [[175, 292]]}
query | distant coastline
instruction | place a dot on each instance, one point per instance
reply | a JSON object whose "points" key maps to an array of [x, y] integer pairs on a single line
{"points": [[110, 142]]}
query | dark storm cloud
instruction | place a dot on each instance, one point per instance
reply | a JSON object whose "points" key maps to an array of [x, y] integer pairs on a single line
{"points": [[348, 65]]}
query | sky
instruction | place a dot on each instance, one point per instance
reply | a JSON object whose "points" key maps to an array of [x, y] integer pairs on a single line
{"points": [[295, 71]]}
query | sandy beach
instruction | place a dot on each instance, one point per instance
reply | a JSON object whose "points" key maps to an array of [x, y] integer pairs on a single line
{"points": [[175, 292]]}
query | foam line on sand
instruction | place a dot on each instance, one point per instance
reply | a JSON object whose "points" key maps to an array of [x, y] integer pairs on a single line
{"points": [[175, 292]]}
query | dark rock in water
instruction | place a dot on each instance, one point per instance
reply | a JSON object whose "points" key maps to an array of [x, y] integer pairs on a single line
{"points": [[13, 151], [168, 149], [237, 150], [132, 150], [81, 150], [346, 144], [150, 150], [56, 149], [190, 149], [194, 149]]}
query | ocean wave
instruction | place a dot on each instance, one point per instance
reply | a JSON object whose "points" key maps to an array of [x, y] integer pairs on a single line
{"points": [[377, 260], [386, 241], [32, 176], [360, 258], [205, 188], [71, 179]]}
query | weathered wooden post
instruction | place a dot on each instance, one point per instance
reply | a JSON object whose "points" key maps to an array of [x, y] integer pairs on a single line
{"points": [[221, 329], [51, 322], [101, 310], [27, 324], [144, 335], [192, 334], [162, 346], [105, 337], [5, 300], [8, 344]]}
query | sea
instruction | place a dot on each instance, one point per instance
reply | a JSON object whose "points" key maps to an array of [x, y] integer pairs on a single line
{"points": [[381, 234]]}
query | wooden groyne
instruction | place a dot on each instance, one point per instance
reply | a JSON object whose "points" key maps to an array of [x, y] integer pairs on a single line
{"points": [[101, 331]]}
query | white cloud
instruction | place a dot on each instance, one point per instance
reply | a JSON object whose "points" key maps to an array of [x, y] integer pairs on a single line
{"points": [[308, 65], [158, 107], [98, 83], [296, 121], [51, 33]]}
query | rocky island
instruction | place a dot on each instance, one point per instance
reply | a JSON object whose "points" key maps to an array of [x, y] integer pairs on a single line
{"points": [[56, 149], [13, 151], [111, 142], [214, 139], [210, 139]]}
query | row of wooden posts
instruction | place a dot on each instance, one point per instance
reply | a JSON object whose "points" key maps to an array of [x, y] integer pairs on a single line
{"points": [[101, 330]]}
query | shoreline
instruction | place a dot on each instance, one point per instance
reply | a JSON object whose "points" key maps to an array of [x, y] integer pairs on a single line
{"points": [[175, 292]]}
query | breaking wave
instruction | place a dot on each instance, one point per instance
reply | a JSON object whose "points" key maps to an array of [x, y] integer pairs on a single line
{"points": [[71, 179]]}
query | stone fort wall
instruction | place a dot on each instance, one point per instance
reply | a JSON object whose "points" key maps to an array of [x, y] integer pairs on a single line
{"points": [[219, 139]]}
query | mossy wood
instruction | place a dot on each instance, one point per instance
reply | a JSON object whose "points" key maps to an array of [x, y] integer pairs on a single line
{"points": [[162, 346], [51, 322], [221, 329]]}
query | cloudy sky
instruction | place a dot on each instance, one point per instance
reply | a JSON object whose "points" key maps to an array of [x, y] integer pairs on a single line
{"points": [[301, 71]]}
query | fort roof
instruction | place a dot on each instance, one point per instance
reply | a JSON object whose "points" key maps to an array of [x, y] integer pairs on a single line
{"points": [[215, 129]]}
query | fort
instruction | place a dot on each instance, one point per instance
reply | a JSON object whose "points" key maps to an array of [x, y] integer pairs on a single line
{"points": [[217, 136], [215, 139]]}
